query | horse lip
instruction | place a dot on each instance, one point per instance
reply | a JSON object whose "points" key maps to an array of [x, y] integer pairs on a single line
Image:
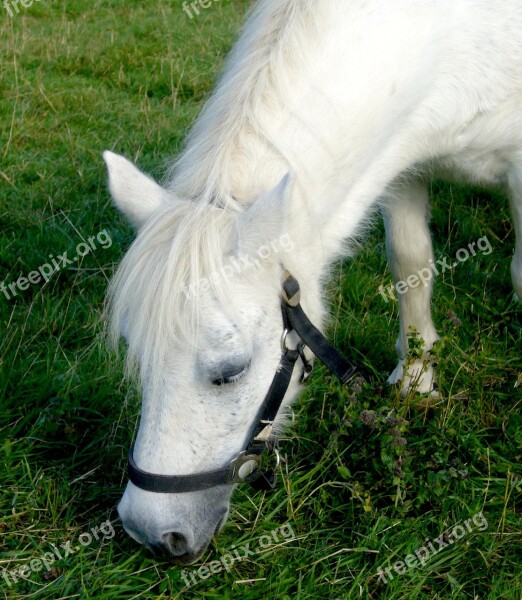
{"points": [[186, 559], [191, 559]]}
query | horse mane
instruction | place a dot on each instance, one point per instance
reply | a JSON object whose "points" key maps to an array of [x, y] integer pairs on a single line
{"points": [[153, 298], [254, 83], [187, 241]]}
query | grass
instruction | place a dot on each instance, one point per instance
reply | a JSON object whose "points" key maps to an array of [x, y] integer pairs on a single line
{"points": [[368, 478]]}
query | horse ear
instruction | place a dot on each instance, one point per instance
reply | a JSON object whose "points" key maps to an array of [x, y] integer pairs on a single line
{"points": [[136, 195], [267, 218]]}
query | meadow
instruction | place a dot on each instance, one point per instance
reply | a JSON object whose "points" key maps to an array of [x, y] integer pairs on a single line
{"points": [[379, 497]]}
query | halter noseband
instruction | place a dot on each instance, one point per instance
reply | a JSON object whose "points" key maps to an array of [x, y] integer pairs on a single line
{"points": [[246, 467]]}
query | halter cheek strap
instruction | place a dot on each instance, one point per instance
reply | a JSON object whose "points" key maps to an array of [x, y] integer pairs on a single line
{"points": [[246, 467]]}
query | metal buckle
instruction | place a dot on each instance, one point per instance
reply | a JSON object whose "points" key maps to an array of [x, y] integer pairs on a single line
{"points": [[235, 475], [236, 465], [307, 365]]}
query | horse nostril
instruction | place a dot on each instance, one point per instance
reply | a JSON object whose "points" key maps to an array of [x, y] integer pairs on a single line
{"points": [[176, 543]]}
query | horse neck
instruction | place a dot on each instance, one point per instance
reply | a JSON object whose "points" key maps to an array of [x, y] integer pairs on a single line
{"points": [[341, 127]]}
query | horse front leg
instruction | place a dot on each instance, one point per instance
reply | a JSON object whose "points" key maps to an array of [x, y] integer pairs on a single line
{"points": [[410, 258], [515, 193]]}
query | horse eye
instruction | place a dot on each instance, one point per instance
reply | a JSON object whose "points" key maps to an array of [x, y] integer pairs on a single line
{"points": [[232, 375]]}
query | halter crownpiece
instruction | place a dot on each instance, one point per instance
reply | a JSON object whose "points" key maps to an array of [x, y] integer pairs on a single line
{"points": [[247, 466]]}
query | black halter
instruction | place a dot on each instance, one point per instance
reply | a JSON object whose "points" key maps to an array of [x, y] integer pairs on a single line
{"points": [[246, 467]]}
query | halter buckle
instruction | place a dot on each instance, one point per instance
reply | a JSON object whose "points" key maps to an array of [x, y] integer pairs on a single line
{"points": [[238, 472]]}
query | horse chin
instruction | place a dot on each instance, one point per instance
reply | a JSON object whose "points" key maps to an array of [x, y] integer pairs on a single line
{"points": [[160, 552], [189, 560]]}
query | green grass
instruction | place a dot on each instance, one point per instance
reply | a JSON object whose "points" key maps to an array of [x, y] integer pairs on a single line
{"points": [[367, 476]]}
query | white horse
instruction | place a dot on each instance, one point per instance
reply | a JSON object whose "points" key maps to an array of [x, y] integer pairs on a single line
{"points": [[326, 111]]}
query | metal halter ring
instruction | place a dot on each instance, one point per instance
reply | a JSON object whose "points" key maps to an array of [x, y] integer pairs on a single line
{"points": [[278, 459], [284, 347]]}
